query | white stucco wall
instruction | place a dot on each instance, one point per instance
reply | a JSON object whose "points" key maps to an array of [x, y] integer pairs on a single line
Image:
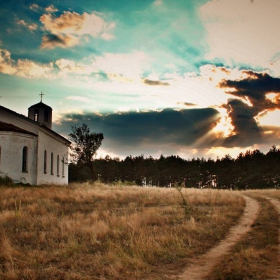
{"points": [[51, 145], [12, 144]]}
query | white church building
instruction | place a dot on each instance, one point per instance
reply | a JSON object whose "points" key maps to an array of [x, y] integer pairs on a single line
{"points": [[30, 151]]}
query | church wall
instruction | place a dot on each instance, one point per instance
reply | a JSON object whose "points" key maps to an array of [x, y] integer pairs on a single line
{"points": [[44, 174], [11, 162], [46, 140]]}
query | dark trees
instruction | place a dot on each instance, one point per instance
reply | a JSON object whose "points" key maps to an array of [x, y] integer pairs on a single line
{"points": [[84, 146], [251, 169]]}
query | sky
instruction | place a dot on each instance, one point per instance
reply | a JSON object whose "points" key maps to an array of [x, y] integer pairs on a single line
{"points": [[157, 77]]}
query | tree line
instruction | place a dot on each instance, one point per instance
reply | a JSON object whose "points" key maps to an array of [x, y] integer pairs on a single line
{"points": [[249, 170]]}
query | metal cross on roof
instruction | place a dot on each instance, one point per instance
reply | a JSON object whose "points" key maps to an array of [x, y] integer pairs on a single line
{"points": [[41, 95]]}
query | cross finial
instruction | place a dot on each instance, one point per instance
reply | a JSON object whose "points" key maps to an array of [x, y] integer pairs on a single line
{"points": [[41, 94]]}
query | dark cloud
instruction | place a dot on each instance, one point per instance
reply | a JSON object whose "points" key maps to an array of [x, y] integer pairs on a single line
{"points": [[246, 130], [155, 83], [138, 133], [170, 131], [253, 89]]}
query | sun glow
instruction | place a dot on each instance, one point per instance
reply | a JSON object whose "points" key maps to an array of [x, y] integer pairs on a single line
{"points": [[224, 128], [233, 151]]}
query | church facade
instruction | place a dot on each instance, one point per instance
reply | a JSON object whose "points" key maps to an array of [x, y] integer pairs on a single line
{"points": [[30, 151]]}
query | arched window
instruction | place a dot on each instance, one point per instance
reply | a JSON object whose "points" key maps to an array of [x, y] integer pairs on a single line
{"points": [[36, 115], [24, 159], [51, 163], [57, 166], [45, 162], [63, 167]]}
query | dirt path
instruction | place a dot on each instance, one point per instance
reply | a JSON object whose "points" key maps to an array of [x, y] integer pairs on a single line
{"points": [[201, 266]]}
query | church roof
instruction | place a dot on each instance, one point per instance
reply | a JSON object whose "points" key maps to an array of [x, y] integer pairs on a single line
{"points": [[35, 123], [10, 127], [40, 105]]}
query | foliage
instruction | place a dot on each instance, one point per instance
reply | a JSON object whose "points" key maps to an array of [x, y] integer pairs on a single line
{"points": [[184, 203], [84, 147], [86, 143], [251, 169], [6, 181]]}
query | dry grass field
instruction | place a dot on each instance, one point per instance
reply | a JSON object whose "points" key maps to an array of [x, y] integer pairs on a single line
{"points": [[96, 231]]}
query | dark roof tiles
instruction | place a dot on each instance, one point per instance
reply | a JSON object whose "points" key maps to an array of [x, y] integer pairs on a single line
{"points": [[35, 123], [10, 127]]}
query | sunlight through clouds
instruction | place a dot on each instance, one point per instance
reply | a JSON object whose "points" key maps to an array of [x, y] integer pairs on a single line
{"points": [[175, 77]]}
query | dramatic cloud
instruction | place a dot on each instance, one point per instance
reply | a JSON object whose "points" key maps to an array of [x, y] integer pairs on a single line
{"points": [[146, 56], [255, 88], [133, 133], [73, 25], [258, 93], [246, 131]]}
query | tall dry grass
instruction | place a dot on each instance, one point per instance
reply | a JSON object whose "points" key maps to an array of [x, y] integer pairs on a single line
{"points": [[95, 231]]}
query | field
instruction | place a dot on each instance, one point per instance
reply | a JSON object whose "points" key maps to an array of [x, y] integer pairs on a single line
{"points": [[96, 231]]}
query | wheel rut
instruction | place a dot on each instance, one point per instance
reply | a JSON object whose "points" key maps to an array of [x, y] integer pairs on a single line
{"points": [[202, 266]]}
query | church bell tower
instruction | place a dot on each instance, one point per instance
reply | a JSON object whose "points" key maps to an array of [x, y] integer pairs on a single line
{"points": [[41, 113]]}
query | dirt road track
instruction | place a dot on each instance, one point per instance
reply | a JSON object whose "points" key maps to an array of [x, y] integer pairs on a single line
{"points": [[201, 266]]}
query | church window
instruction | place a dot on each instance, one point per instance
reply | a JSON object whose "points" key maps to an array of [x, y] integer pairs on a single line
{"points": [[51, 163], [45, 162], [36, 115], [57, 166], [24, 159], [46, 115], [63, 167]]}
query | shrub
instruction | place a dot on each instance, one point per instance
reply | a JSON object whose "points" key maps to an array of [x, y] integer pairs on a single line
{"points": [[6, 181]]}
